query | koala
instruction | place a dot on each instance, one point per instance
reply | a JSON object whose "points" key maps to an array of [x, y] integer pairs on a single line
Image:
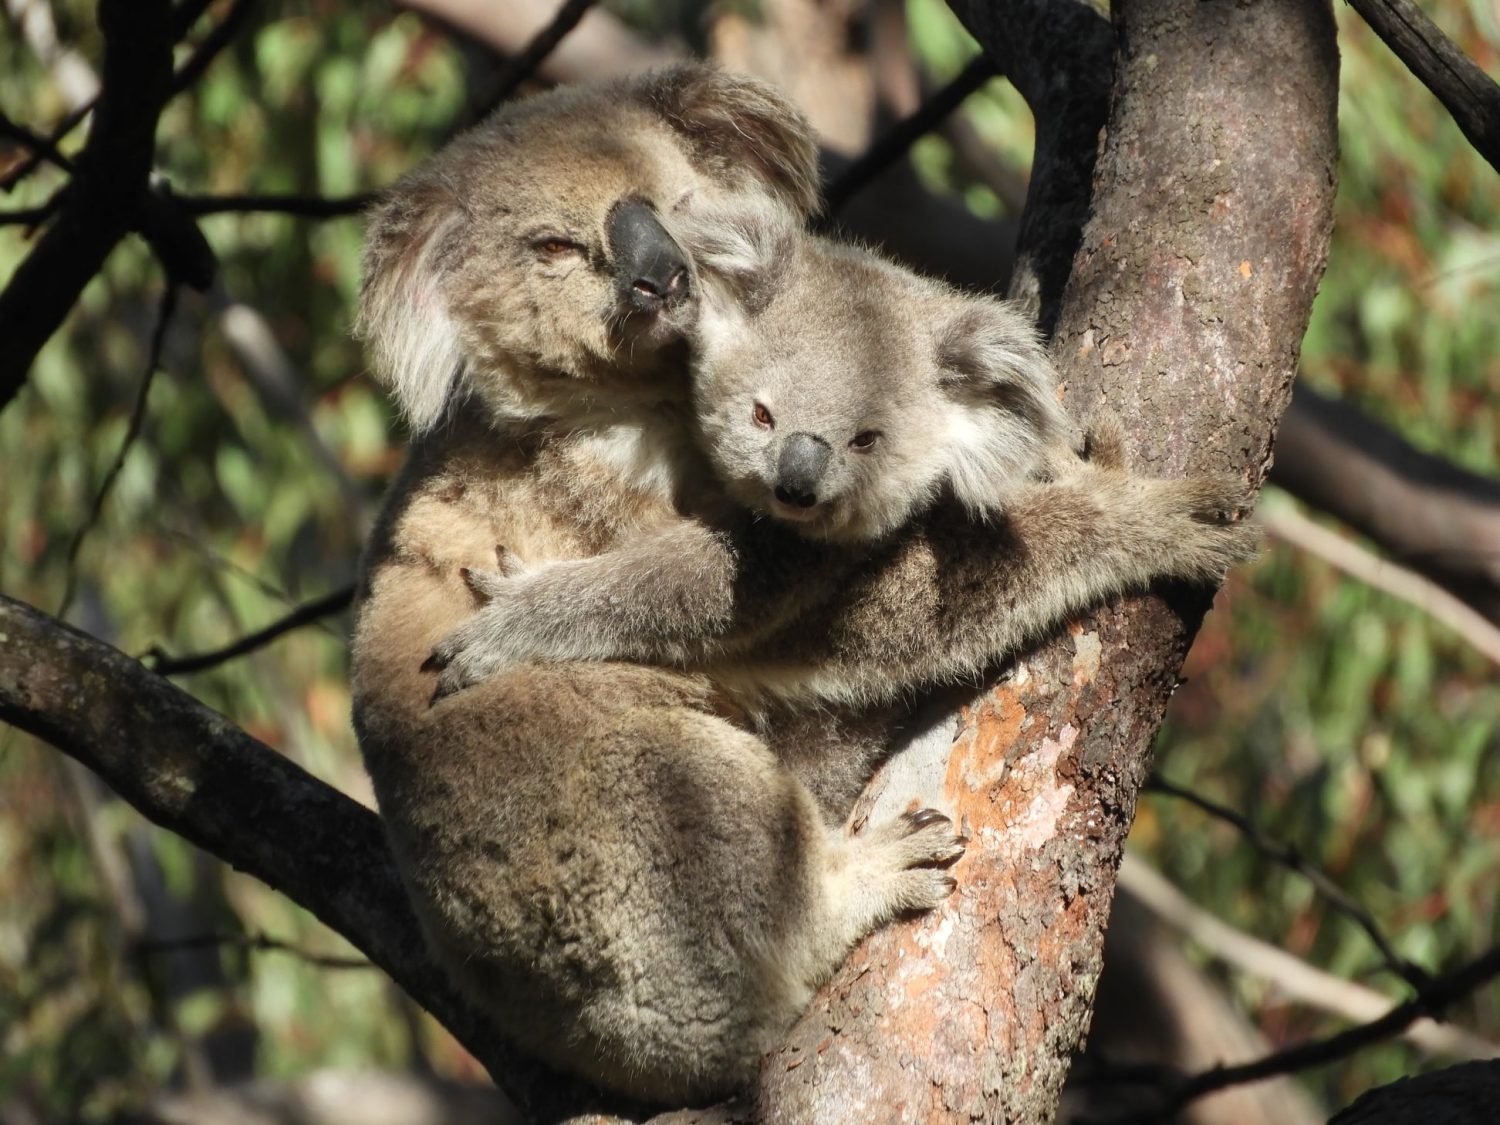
{"points": [[627, 881]]}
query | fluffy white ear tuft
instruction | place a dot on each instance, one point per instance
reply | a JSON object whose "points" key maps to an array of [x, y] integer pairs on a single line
{"points": [[744, 247], [1006, 423], [404, 319]]}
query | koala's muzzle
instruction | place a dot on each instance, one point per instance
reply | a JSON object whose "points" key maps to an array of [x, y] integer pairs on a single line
{"points": [[800, 468], [650, 268]]}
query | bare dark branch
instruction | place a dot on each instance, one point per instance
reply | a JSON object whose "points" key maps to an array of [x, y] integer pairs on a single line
{"points": [[251, 943], [213, 43], [1439, 994], [132, 431], [102, 202], [1290, 858], [897, 143], [335, 602], [305, 206], [39, 145], [1468, 93], [524, 65]]}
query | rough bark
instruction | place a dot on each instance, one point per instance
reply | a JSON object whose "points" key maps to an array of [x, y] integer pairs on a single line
{"points": [[1188, 300]]}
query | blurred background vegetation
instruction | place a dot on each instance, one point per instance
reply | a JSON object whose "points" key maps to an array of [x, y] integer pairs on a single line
{"points": [[1342, 720]]}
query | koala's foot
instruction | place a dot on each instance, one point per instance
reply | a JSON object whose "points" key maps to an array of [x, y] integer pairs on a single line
{"points": [[1200, 524], [895, 868]]}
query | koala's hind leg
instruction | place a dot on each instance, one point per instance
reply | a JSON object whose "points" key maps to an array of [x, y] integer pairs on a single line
{"points": [[866, 880], [637, 890]]}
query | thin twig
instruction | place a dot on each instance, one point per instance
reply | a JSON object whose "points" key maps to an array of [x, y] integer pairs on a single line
{"points": [[1288, 974], [132, 431], [1291, 858], [898, 141], [254, 943], [524, 65], [330, 603], [1291, 526], [30, 217], [1467, 92], [306, 206], [214, 42], [1438, 994], [39, 145]]}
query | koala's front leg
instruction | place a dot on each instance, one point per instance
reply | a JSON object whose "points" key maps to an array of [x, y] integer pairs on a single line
{"points": [[675, 597]]}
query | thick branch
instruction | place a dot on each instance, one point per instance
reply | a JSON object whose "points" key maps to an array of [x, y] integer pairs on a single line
{"points": [[1190, 292], [102, 202], [1467, 92]]}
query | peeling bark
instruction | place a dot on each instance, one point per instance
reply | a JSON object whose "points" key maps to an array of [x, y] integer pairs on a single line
{"points": [[1184, 314]]}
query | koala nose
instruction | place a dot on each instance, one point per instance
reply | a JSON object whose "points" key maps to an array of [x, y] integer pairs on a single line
{"points": [[799, 469], [650, 268]]}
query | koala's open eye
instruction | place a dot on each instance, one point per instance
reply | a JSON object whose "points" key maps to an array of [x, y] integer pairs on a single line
{"points": [[555, 246], [864, 441], [762, 417]]}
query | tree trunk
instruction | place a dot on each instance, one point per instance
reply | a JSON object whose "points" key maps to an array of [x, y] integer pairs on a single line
{"points": [[1185, 310]]}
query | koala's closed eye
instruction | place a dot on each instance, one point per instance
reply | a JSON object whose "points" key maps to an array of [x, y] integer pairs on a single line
{"points": [[552, 247]]}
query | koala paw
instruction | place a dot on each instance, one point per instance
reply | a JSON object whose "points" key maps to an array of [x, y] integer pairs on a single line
{"points": [[1203, 525], [479, 648], [914, 851], [488, 585]]}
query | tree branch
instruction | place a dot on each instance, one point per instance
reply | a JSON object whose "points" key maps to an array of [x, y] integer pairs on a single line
{"points": [[1057, 53], [102, 202], [1289, 975], [1467, 92], [1292, 860], [1435, 517], [1439, 994], [335, 602], [897, 142]]}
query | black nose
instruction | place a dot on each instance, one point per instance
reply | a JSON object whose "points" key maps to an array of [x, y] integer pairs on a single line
{"points": [[650, 268], [799, 469]]}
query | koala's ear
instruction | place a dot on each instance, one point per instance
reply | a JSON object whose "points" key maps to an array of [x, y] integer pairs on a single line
{"points": [[404, 319], [732, 123], [745, 249], [996, 374], [989, 353]]}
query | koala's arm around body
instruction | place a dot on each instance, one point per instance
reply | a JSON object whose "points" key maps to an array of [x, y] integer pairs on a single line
{"points": [[686, 596], [953, 596], [770, 614]]}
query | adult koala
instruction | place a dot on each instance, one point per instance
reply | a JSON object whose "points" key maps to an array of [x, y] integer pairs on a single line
{"points": [[646, 903]]}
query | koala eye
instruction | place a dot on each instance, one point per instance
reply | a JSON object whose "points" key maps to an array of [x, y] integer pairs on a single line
{"points": [[555, 246], [762, 417], [864, 441]]}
